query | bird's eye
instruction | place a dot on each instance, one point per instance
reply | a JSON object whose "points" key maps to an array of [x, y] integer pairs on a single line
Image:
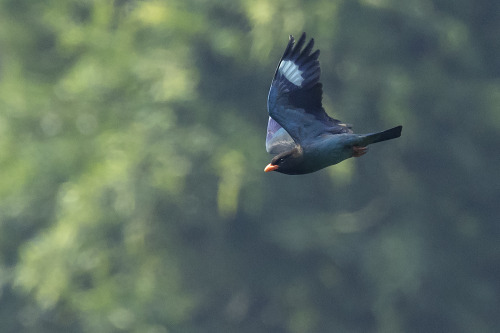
{"points": [[280, 160]]}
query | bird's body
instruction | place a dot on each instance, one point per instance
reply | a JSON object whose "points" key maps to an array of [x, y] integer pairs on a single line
{"points": [[303, 137], [330, 150]]}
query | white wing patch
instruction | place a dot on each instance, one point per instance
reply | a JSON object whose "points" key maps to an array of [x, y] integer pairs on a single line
{"points": [[291, 72]]}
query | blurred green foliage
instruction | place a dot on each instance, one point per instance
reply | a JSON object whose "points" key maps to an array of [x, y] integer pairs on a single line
{"points": [[132, 191]]}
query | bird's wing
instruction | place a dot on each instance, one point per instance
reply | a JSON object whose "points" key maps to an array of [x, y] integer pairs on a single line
{"points": [[294, 100], [277, 139]]}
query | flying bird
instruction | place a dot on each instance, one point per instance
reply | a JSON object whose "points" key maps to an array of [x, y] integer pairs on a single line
{"points": [[299, 132]]}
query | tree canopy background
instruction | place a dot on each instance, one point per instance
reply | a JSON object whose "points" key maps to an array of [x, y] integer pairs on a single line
{"points": [[132, 191]]}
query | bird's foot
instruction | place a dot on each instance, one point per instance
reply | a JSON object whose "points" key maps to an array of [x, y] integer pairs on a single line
{"points": [[358, 151]]}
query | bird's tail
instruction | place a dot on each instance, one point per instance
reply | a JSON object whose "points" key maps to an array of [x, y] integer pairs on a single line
{"points": [[382, 136]]}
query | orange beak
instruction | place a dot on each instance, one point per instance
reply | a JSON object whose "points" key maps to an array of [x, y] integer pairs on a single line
{"points": [[270, 167]]}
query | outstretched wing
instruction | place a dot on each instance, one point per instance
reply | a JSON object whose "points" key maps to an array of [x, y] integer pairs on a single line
{"points": [[277, 139], [294, 100]]}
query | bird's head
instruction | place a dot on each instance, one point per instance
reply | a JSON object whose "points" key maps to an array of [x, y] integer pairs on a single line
{"points": [[287, 162]]}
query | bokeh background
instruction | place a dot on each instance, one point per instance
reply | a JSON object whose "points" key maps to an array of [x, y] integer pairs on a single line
{"points": [[132, 191]]}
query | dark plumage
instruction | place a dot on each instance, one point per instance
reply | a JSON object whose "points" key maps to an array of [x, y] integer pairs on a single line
{"points": [[303, 137]]}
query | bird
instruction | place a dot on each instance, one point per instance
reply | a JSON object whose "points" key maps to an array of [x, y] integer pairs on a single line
{"points": [[301, 135]]}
